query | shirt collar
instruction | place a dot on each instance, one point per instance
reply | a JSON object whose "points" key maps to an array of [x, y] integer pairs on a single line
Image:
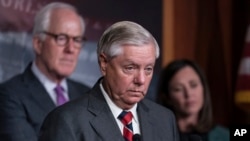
{"points": [[115, 109], [45, 80]]}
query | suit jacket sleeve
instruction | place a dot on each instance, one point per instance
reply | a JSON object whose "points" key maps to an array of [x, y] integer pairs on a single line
{"points": [[13, 121]]}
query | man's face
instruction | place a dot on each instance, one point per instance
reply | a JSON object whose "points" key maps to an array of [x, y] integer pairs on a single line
{"points": [[128, 75], [55, 60]]}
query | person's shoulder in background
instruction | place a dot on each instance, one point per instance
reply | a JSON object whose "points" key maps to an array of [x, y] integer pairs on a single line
{"points": [[79, 85], [219, 133]]}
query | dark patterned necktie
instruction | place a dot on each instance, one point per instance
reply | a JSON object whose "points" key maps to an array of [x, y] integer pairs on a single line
{"points": [[60, 99], [126, 119]]}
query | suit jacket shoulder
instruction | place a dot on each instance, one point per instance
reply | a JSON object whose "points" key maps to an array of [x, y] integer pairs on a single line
{"points": [[24, 104], [79, 87], [22, 108]]}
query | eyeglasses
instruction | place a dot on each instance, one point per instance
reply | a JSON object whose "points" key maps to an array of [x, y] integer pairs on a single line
{"points": [[63, 39]]}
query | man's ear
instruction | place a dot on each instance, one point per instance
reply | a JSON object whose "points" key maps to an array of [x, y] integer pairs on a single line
{"points": [[37, 44], [103, 63]]}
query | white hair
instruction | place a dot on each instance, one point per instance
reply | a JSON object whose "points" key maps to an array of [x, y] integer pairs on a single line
{"points": [[42, 18], [121, 33]]}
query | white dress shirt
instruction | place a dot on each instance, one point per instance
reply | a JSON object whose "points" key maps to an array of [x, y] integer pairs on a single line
{"points": [[116, 111], [48, 84]]}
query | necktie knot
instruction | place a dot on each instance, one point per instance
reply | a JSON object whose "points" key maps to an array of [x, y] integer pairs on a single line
{"points": [[60, 99], [59, 89], [126, 119]]}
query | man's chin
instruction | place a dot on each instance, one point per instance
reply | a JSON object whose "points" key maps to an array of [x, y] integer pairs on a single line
{"points": [[65, 73], [135, 100]]}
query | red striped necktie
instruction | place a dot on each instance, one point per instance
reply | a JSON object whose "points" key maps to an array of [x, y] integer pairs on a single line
{"points": [[126, 119]]}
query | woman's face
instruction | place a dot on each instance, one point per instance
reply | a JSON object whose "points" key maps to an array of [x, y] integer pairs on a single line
{"points": [[186, 92]]}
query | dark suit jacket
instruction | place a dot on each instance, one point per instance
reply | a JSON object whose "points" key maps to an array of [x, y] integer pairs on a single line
{"points": [[24, 104], [90, 119]]}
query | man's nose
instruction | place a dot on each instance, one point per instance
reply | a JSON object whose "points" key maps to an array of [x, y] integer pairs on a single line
{"points": [[140, 77], [70, 46]]}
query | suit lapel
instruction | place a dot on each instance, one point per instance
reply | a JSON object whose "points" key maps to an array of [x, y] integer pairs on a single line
{"points": [[103, 123], [73, 93], [37, 91], [106, 126], [146, 122]]}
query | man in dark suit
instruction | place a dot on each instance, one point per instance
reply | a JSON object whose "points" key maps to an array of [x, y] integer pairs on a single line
{"points": [[26, 99], [115, 108]]}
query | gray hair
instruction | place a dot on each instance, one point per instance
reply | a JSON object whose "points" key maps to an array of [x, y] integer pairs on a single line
{"points": [[124, 33], [42, 18]]}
